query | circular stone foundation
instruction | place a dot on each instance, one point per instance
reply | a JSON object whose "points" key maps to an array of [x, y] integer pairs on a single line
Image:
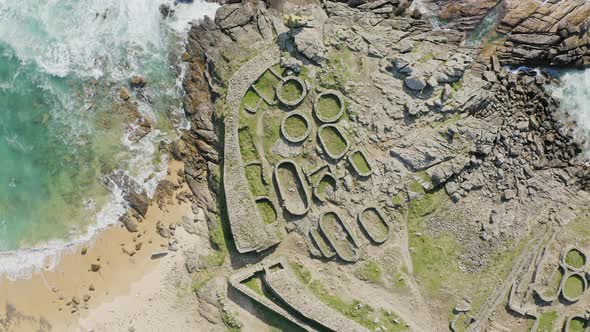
{"points": [[574, 259], [329, 106], [573, 286], [295, 127], [291, 91]]}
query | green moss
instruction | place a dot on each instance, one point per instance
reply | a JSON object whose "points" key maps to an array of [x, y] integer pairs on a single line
{"points": [[269, 215], [369, 271], [271, 133], [254, 176], [232, 324], [575, 258], [254, 283], [361, 313], [360, 162], [216, 258], [247, 147], [250, 99], [295, 126], [435, 258], [398, 200], [324, 184], [291, 91], [577, 324], [301, 272], [546, 321], [266, 84], [574, 286], [457, 85], [427, 57], [328, 106], [415, 187], [337, 70], [332, 141]]}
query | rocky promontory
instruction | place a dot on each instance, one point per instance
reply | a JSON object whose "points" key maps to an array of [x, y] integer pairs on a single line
{"points": [[386, 164]]}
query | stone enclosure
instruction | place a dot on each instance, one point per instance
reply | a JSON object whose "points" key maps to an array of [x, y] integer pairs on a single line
{"points": [[293, 132]]}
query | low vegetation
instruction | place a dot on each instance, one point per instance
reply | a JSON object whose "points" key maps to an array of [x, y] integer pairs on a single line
{"points": [[369, 271], [360, 162], [362, 313], [333, 141]]}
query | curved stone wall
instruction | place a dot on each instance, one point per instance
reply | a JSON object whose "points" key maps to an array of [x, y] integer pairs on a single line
{"points": [[284, 129], [317, 108], [353, 163], [242, 211], [281, 91]]}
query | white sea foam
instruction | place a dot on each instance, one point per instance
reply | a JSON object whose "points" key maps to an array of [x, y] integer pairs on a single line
{"points": [[106, 39], [573, 94]]}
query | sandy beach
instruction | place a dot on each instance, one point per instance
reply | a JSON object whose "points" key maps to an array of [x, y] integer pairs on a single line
{"points": [[129, 282]]}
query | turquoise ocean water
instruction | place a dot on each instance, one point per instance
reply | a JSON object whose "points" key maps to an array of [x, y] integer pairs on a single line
{"points": [[62, 63]]}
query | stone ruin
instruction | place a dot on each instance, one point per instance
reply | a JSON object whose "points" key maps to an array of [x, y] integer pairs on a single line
{"points": [[311, 122]]}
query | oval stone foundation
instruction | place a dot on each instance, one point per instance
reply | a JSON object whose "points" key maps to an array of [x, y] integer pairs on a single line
{"points": [[294, 195], [374, 224], [333, 141], [339, 236]]}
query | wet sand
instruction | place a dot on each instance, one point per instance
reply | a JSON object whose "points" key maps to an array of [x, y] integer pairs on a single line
{"points": [[42, 301]]}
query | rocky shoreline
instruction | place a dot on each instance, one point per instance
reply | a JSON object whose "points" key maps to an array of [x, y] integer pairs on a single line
{"points": [[508, 147]]}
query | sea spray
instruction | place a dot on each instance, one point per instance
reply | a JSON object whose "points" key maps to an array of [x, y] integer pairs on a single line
{"points": [[573, 93], [61, 65]]}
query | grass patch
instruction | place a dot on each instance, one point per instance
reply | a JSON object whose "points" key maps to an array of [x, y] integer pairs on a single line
{"points": [[574, 286], [267, 211], [200, 279], [546, 321], [398, 200], [291, 91], [360, 162], [266, 85], [324, 184], [250, 100], [333, 141], [575, 258], [247, 147], [435, 259], [328, 106], [272, 133], [255, 284], [338, 70], [577, 324], [369, 271], [301, 272], [254, 176], [361, 313], [295, 126]]}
